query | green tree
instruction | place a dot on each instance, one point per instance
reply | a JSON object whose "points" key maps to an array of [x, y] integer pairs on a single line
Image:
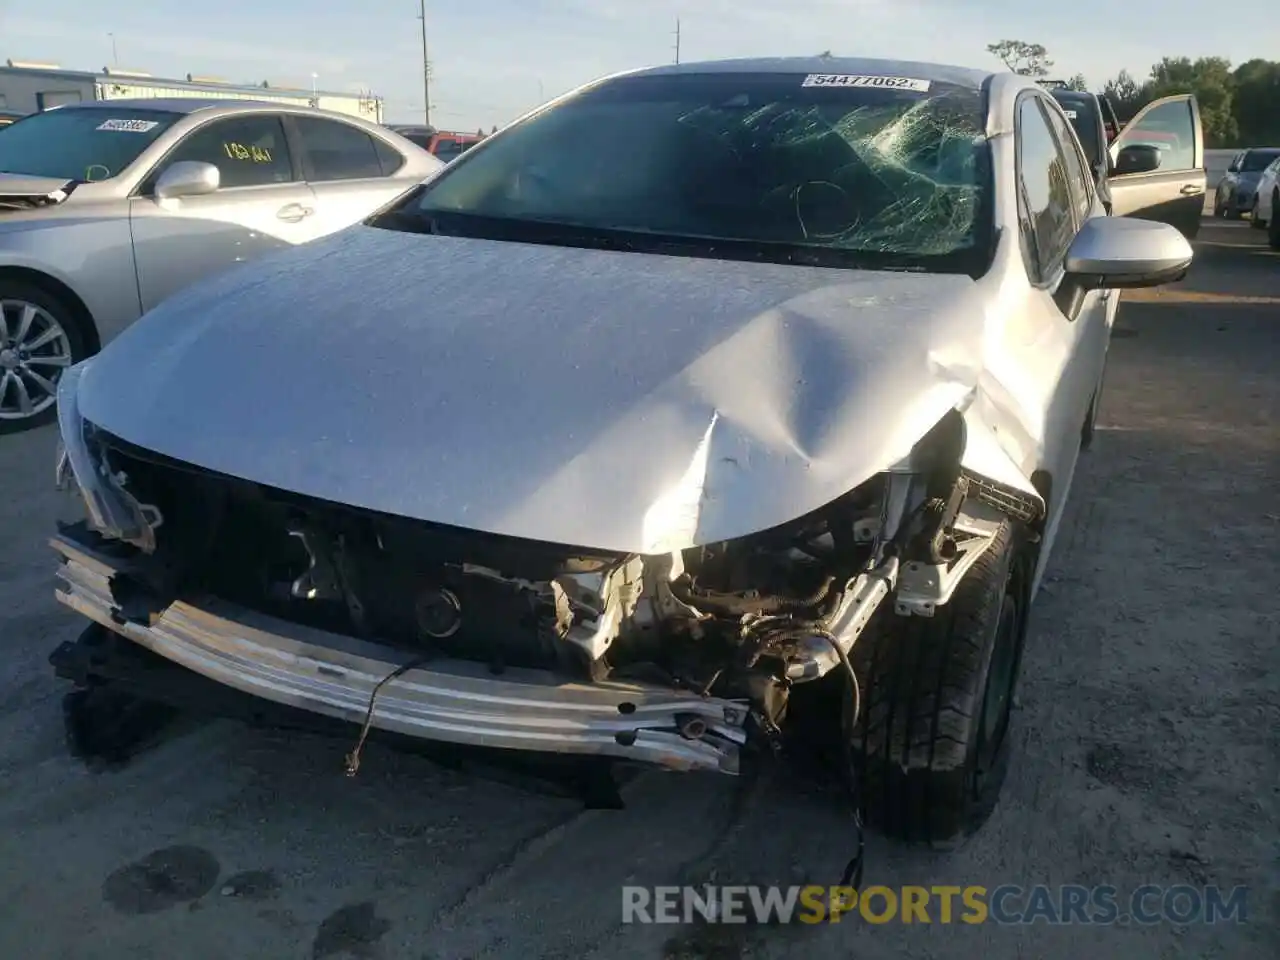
{"points": [[1028, 59], [1257, 96], [1078, 82], [1127, 96], [1211, 80]]}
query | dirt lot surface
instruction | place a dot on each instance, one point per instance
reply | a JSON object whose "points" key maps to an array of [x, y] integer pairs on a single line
{"points": [[1148, 741]]}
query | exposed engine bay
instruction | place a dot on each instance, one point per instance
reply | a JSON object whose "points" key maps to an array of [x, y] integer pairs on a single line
{"points": [[744, 620]]}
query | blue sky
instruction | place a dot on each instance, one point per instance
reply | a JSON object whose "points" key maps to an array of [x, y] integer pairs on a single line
{"points": [[494, 59]]}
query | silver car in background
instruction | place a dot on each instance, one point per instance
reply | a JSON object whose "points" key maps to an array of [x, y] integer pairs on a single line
{"points": [[108, 208], [1266, 203], [1238, 190], [706, 406]]}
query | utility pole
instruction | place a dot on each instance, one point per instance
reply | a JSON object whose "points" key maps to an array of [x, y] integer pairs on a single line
{"points": [[677, 39], [115, 57], [426, 66]]}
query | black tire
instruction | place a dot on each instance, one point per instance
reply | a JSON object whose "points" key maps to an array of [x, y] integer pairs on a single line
{"points": [[931, 770], [69, 324], [1273, 225], [1218, 210]]}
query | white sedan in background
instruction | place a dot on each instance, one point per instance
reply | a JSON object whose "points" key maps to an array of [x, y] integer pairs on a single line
{"points": [[1266, 203], [108, 208]]}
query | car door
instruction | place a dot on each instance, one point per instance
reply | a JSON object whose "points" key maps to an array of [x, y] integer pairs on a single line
{"points": [[1267, 191], [262, 204], [350, 172], [1056, 347], [1174, 192]]}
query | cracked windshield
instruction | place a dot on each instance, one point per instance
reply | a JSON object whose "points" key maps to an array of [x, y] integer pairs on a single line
{"points": [[664, 480], [779, 160]]}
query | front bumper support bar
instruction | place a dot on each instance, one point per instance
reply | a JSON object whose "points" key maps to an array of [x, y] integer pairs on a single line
{"points": [[453, 701]]}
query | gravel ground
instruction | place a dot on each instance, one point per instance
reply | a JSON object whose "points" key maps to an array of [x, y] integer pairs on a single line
{"points": [[1147, 739]]}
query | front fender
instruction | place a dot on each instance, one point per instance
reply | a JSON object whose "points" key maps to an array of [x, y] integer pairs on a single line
{"points": [[92, 256]]}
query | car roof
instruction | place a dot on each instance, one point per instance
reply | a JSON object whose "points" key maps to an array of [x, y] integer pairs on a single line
{"points": [[168, 104], [1077, 95], [190, 105], [857, 66]]}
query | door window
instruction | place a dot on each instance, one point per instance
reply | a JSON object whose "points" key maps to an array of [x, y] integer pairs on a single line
{"points": [[249, 151], [1048, 222], [389, 157], [1171, 129], [337, 151], [1079, 180]]}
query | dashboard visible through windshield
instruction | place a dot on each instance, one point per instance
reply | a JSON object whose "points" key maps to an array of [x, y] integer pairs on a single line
{"points": [[899, 174]]}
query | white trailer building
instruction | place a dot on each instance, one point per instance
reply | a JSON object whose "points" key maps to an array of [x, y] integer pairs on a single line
{"points": [[28, 87]]}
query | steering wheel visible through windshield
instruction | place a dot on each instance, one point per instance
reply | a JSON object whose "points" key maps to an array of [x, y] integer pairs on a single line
{"points": [[747, 158], [79, 143]]}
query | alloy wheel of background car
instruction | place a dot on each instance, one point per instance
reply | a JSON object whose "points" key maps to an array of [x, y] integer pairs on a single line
{"points": [[38, 340], [932, 744]]}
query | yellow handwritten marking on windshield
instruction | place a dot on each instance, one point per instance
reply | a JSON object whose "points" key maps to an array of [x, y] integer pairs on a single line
{"points": [[238, 151]]}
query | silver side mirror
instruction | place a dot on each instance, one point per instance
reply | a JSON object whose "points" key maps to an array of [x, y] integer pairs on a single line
{"points": [[188, 178], [1120, 253]]}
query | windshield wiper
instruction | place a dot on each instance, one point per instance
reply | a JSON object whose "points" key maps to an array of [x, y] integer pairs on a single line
{"points": [[450, 223], [560, 233]]}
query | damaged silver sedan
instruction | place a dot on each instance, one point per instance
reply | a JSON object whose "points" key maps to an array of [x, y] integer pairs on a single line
{"points": [[703, 408]]}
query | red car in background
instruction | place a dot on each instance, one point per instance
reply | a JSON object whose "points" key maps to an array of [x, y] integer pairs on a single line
{"points": [[443, 144]]}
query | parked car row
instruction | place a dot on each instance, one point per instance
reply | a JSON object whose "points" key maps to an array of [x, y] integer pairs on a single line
{"points": [[711, 409], [108, 208], [1265, 213], [1237, 192]]}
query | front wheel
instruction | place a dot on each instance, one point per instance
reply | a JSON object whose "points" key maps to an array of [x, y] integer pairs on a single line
{"points": [[39, 338], [933, 742]]}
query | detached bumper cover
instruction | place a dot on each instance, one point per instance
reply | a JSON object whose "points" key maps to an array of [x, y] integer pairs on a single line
{"points": [[448, 700]]}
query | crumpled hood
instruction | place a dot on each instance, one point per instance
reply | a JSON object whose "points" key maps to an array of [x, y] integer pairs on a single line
{"points": [[611, 400]]}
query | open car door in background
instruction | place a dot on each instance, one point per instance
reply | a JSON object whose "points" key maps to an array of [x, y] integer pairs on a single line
{"points": [[1173, 192], [1109, 122]]}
